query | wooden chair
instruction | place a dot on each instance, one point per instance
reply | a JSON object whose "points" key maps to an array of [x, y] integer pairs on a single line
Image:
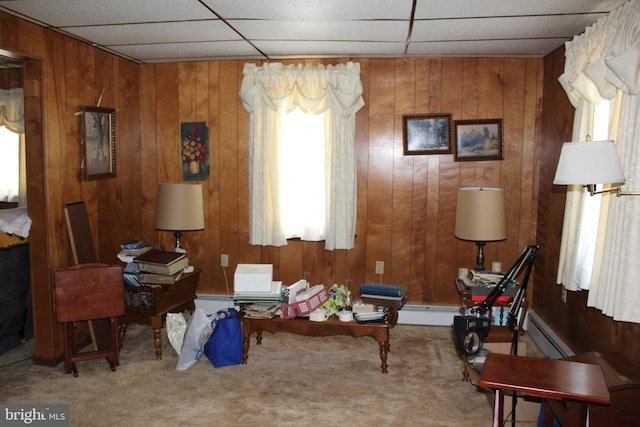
{"points": [[86, 292]]}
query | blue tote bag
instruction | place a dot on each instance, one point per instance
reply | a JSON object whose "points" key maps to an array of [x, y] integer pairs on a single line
{"points": [[224, 346]]}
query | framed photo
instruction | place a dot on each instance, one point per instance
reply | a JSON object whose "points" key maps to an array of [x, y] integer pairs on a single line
{"points": [[478, 140], [99, 140], [426, 133]]}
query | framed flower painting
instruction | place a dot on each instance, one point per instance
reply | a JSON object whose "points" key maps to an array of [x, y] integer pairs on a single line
{"points": [[194, 147]]}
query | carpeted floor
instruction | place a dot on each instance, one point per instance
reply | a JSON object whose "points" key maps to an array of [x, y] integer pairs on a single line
{"points": [[290, 380]]}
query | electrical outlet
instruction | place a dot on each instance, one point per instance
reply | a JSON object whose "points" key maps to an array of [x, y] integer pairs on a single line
{"points": [[224, 260], [379, 267]]}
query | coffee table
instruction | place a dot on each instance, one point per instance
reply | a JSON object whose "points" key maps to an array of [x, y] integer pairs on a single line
{"points": [[304, 326]]}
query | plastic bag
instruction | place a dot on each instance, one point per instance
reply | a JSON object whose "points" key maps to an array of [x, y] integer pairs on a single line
{"points": [[198, 332], [176, 328], [224, 346]]}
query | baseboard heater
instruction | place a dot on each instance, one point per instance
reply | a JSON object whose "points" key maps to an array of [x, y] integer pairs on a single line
{"points": [[550, 343], [411, 314]]}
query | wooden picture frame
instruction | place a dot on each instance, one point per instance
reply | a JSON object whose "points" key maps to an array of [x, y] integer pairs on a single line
{"points": [[478, 140], [426, 133], [99, 142]]}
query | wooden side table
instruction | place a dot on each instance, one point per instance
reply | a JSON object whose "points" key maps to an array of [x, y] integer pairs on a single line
{"points": [[148, 305], [544, 378], [499, 332]]}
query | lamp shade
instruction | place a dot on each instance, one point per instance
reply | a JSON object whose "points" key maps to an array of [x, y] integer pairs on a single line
{"points": [[481, 214], [179, 207], [589, 162]]}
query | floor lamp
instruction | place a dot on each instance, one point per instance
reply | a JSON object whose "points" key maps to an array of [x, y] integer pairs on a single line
{"points": [[179, 208], [481, 216]]}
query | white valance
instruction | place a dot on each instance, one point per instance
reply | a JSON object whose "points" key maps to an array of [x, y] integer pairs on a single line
{"points": [[605, 58], [312, 88], [12, 109]]}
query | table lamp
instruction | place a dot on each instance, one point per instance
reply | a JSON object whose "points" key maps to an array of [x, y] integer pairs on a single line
{"points": [[481, 216], [180, 208]]}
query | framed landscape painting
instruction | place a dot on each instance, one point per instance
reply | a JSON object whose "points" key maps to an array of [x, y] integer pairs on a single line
{"points": [[99, 139], [426, 134], [478, 140]]}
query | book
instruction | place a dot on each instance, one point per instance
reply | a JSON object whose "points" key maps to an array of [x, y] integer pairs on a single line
{"points": [[383, 289], [159, 279], [173, 268], [382, 297], [159, 257]]}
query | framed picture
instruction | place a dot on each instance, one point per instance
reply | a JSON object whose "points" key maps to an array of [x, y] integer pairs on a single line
{"points": [[194, 147], [99, 140], [426, 133], [478, 140]]}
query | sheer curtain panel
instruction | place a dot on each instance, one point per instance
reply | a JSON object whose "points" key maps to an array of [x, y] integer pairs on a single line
{"points": [[273, 89]]}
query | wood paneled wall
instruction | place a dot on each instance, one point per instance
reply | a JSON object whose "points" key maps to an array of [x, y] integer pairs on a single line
{"points": [[406, 204], [583, 328], [60, 75]]}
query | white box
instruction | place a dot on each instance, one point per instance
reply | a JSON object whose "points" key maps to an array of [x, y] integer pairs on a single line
{"points": [[253, 278]]}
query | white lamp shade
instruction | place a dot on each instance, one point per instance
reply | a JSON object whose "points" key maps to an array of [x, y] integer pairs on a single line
{"points": [[589, 162], [481, 214], [180, 207]]}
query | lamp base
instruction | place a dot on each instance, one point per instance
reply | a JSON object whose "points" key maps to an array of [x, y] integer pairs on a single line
{"points": [[480, 256]]}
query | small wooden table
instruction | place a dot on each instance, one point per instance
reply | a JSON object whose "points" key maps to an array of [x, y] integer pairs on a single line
{"points": [[148, 305], [545, 378], [304, 326]]}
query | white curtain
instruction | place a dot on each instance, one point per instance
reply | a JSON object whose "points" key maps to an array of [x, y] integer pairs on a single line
{"points": [[12, 117], [273, 89], [12, 109], [603, 63]]}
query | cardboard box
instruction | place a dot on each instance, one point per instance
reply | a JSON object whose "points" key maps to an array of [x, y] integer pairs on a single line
{"points": [[253, 278], [527, 408]]}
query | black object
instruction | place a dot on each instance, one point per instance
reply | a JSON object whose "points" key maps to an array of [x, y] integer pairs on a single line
{"points": [[470, 330]]}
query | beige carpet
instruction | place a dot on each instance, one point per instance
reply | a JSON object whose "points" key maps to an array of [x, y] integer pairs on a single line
{"points": [[290, 380]]}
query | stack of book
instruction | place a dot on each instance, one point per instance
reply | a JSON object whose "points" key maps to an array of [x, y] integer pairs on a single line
{"points": [[160, 267], [132, 249], [249, 296], [383, 294]]}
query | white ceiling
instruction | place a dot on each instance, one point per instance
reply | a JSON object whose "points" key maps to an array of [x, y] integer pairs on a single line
{"points": [[150, 31]]}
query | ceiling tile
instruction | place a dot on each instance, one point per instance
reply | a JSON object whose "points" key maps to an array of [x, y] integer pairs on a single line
{"points": [[312, 10], [97, 12], [433, 9], [168, 32], [522, 48], [298, 49], [395, 31], [190, 51], [500, 28]]}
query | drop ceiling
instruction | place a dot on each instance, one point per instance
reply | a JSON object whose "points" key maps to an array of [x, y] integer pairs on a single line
{"points": [[151, 31]]}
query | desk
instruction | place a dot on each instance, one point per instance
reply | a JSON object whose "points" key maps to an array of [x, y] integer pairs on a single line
{"points": [[545, 378], [148, 305], [304, 326]]}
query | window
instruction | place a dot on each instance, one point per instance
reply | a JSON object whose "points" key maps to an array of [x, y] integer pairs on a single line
{"points": [[330, 96], [302, 173], [9, 165], [590, 210]]}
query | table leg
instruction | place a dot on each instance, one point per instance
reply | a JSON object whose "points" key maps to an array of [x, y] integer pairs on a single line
{"points": [[258, 336], [122, 333], [384, 349], [498, 408], [157, 339], [246, 341], [156, 324], [584, 407]]}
